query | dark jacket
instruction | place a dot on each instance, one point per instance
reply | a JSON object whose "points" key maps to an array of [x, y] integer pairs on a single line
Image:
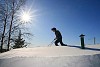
{"points": [[58, 34]]}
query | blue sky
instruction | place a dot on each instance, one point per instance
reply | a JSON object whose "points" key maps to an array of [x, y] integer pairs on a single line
{"points": [[71, 17]]}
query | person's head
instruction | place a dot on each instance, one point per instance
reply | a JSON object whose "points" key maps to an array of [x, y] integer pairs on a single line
{"points": [[53, 29]]}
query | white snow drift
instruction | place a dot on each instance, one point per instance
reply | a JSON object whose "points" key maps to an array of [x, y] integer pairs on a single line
{"points": [[65, 56]]}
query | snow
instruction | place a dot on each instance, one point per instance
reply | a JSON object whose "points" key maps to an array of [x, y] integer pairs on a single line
{"points": [[60, 56]]}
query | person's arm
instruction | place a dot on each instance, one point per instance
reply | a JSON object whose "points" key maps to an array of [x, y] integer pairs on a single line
{"points": [[58, 34], [55, 38]]}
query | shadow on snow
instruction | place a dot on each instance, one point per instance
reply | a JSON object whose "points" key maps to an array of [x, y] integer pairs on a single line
{"points": [[86, 48]]}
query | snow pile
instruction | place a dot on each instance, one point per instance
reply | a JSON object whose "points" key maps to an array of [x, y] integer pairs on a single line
{"points": [[66, 56]]}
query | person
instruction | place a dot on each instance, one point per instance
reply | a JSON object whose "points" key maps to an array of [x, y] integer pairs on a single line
{"points": [[58, 37]]}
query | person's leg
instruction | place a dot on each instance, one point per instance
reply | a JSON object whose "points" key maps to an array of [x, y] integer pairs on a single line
{"points": [[56, 43], [62, 44]]}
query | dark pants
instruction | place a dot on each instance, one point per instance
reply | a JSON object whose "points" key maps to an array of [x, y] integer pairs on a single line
{"points": [[59, 40]]}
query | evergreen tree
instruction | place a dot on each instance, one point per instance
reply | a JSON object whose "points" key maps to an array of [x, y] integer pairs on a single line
{"points": [[19, 43]]}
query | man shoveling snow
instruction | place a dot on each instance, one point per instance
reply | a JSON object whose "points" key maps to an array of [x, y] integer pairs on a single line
{"points": [[58, 37]]}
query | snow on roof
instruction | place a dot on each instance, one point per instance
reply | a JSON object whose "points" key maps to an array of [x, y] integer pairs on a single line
{"points": [[52, 51], [61, 56]]}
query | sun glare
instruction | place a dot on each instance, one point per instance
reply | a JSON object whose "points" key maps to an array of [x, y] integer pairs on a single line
{"points": [[27, 14], [26, 17]]}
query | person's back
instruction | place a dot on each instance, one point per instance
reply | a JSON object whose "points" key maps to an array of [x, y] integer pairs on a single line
{"points": [[58, 34]]}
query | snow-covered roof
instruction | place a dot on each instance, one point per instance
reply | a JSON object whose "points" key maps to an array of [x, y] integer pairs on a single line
{"points": [[60, 56]]}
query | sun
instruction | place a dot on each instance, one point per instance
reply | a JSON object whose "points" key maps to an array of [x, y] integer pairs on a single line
{"points": [[27, 14], [26, 17]]}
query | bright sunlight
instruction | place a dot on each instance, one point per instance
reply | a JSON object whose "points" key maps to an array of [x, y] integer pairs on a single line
{"points": [[26, 17]]}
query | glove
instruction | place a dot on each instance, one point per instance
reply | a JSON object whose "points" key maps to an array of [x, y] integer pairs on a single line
{"points": [[55, 39]]}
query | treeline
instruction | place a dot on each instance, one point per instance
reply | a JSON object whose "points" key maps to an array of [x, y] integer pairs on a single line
{"points": [[11, 28]]}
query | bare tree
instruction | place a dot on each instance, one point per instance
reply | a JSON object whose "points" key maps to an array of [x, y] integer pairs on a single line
{"points": [[15, 6], [3, 19], [8, 9], [10, 23]]}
